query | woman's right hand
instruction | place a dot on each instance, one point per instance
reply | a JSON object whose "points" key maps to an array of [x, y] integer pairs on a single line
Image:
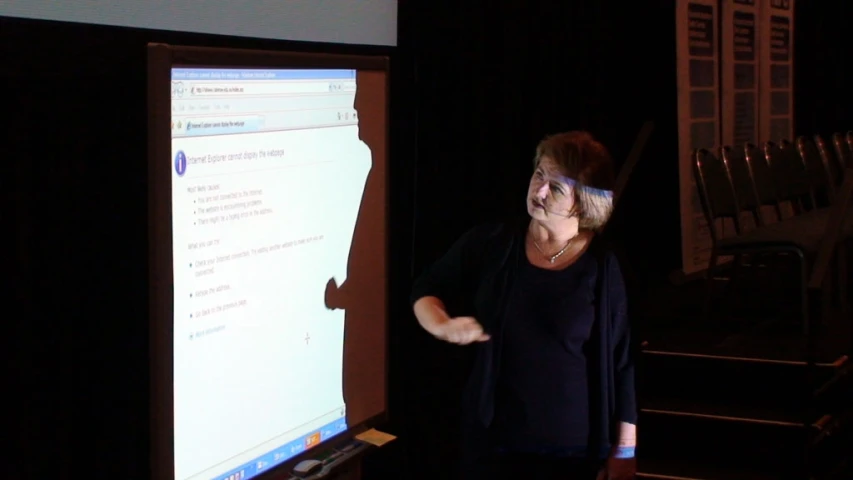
{"points": [[433, 317], [462, 331]]}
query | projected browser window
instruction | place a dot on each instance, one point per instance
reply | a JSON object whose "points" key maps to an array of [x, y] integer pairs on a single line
{"points": [[268, 176]]}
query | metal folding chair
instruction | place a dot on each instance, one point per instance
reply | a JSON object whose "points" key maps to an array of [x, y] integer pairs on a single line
{"points": [[818, 176], [832, 163], [789, 174], [796, 237], [844, 148]]}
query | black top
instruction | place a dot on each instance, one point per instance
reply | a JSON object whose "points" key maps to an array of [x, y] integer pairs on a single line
{"points": [[542, 395], [475, 278]]}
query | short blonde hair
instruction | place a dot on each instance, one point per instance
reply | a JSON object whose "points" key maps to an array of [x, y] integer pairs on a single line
{"points": [[587, 162]]}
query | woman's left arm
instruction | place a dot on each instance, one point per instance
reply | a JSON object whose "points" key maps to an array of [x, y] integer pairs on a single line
{"points": [[626, 395], [623, 356], [621, 463]]}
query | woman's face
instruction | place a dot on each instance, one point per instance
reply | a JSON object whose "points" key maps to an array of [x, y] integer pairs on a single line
{"points": [[550, 195]]}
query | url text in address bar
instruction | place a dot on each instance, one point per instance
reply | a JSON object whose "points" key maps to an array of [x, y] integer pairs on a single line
{"points": [[229, 89]]}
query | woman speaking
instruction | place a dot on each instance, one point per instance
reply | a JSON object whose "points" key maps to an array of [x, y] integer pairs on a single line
{"points": [[551, 393]]}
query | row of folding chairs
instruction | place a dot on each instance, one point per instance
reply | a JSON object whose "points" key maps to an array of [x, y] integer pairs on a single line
{"points": [[790, 199]]}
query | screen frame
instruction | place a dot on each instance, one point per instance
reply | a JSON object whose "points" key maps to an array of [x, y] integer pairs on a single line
{"points": [[161, 59]]}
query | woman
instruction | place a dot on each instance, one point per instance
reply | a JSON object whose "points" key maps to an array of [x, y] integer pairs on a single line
{"points": [[551, 394]]}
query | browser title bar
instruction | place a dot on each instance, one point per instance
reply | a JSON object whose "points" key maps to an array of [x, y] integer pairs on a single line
{"points": [[259, 74]]}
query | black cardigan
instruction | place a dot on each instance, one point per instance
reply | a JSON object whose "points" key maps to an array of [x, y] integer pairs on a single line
{"points": [[474, 277]]}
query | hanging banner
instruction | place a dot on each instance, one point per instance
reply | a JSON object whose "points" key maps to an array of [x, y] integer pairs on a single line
{"points": [[698, 63], [776, 62], [739, 62]]}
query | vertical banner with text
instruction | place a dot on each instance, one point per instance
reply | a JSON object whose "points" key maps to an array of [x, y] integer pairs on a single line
{"points": [[698, 63], [739, 63], [776, 119]]}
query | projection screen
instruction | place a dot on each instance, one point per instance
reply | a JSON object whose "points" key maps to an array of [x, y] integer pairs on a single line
{"points": [[267, 177]]}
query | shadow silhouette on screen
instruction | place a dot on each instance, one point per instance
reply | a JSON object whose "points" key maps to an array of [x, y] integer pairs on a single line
{"points": [[362, 294]]}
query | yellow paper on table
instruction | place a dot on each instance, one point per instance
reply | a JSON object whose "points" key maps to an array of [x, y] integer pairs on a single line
{"points": [[375, 437]]}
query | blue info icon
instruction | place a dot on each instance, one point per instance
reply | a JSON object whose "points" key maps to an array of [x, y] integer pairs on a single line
{"points": [[180, 163]]}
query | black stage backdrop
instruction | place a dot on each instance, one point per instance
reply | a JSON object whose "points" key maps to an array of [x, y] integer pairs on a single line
{"points": [[474, 86]]}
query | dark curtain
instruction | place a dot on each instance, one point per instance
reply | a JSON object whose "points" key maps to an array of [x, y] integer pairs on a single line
{"points": [[823, 83]]}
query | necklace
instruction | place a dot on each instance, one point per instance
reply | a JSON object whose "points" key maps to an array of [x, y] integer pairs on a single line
{"points": [[553, 258]]}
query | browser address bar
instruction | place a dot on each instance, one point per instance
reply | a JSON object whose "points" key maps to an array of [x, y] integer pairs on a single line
{"points": [[252, 88]]}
